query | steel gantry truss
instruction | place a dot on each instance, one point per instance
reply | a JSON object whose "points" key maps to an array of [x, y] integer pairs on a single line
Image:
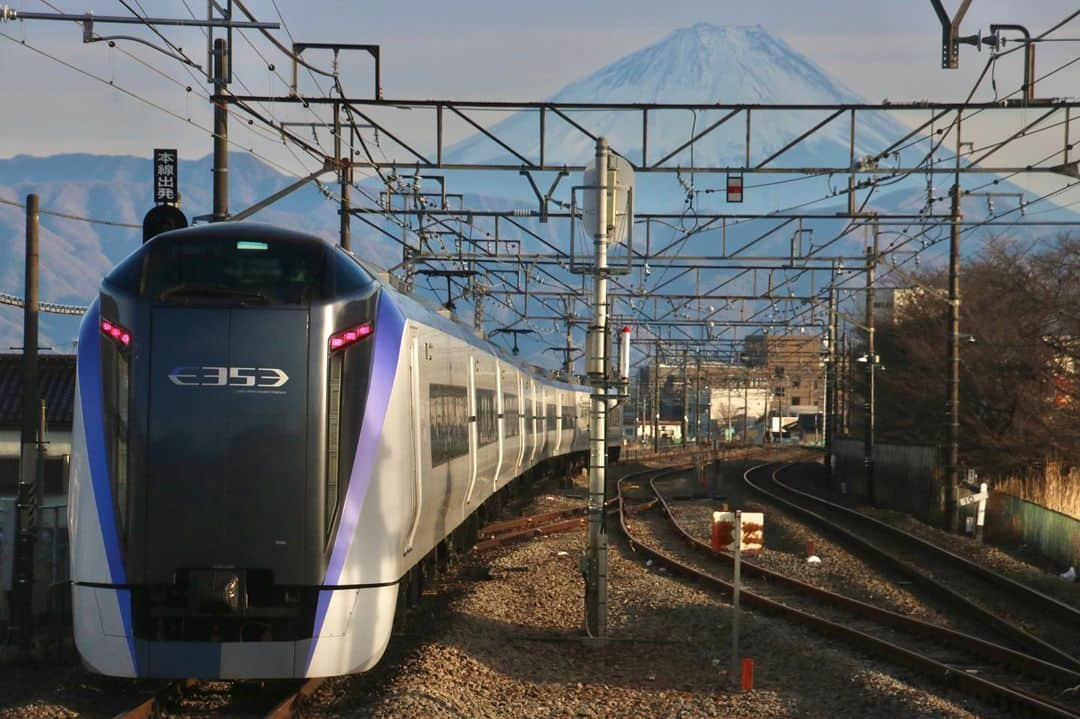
{"points": [[534, 153]]}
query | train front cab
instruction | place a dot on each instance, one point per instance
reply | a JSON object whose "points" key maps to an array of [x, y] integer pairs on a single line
{"points": [[213, 455]]}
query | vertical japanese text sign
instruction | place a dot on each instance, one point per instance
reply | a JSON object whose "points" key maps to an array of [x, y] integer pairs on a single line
{"points": [[165, 177]]}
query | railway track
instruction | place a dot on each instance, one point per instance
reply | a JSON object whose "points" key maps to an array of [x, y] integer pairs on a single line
{"points": [[972, 665], [280, 699], [1031, 621]]}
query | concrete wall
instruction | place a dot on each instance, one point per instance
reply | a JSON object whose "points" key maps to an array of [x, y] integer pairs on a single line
{"points": [[1056, 535], [906, 477]]}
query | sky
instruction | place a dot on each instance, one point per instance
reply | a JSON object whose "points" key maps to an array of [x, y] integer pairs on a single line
{"points": [[469, 49]]}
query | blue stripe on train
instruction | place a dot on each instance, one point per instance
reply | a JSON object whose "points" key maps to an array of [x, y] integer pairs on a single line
{"points": [[389, 327], [89, 376]]}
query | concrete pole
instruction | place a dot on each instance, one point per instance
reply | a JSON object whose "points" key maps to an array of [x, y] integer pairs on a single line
{"points": [[596, 560], [746, 406], [685, 400], [845, 394], [221, 133], [568, 358], [22, 608], [656, 398], [344, 180], [868, 431], [697, 401], [952, 460], [830, 385]]}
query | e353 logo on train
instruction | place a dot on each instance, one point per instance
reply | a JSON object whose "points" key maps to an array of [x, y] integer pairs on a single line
{"points": [[238, 377]]}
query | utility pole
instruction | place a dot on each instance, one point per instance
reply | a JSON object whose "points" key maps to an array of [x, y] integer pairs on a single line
{"points": [[344, 178], [479, 287], [746, 406], [830, 384], [568, 350], [656, 398], [952, 469], [221, 132], [845, 391], [868, 431], [697, 400], [597, 369], [685, 400], [26, 505]]}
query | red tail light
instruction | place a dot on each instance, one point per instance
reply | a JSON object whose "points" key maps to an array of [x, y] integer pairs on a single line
{"points": [[116, 333], [351, 336]]}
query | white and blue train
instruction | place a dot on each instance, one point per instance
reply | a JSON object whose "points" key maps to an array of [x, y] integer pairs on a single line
{"points": [[269, 444]]}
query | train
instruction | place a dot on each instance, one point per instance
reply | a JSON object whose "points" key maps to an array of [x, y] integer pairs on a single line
{"points": [[272, 444]]}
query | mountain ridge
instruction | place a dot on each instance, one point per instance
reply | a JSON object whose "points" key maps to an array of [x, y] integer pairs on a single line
{"points": [[696, 64]]}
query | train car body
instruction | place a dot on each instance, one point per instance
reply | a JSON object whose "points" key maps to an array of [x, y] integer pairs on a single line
{"points": [[266, 440]]}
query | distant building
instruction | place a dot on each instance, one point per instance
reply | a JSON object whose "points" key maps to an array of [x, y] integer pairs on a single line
{"points": [[893, 304], [699, 401], [795, 370]]}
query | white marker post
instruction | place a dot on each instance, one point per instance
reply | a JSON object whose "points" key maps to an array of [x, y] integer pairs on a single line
{"points": [[980, 518], [980, 512]]}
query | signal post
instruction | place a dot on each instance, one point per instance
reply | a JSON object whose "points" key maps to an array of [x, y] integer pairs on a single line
{"points": [[602, 183]]}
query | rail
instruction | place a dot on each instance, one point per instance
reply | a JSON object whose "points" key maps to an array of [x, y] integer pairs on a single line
{"points": [[938, 671]]}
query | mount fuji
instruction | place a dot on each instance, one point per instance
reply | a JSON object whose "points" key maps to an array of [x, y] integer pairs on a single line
{"points": [[701, 64], [697, 65]]}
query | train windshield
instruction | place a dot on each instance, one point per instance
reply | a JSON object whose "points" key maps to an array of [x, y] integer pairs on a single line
{"points": [[211, 270]]}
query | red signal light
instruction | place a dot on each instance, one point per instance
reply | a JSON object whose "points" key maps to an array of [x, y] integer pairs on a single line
{"points": [[343, 339], [115, 332]]}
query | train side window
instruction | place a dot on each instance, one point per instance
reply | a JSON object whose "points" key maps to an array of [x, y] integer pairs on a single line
{"points": [[448, 406], [486, 424], [551, 418], [530, 416], [510, 415], [569, 417]]}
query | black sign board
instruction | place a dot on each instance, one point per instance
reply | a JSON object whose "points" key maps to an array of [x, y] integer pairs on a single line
{"points": [[165, 177]]}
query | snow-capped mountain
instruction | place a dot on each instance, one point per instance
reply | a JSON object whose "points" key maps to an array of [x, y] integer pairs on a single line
{"points": [[699, 64]]}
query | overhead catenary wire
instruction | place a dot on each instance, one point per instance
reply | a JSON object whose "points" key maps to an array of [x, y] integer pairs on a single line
{"points": [[146, 101], [871, 185], [70, 216]]}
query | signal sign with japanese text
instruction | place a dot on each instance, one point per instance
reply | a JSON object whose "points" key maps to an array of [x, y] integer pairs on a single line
{"points": [[166, 177]]}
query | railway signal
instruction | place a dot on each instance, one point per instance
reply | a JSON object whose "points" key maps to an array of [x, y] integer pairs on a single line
{"points": [[735, 187], [166, 214]]}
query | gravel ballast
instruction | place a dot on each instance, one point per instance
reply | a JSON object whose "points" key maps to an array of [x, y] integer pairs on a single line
{"points": [[503, 637], [512, 646]]}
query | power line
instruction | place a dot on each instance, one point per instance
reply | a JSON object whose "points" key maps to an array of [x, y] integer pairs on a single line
{"points": [[69, 216], [140, 98]]}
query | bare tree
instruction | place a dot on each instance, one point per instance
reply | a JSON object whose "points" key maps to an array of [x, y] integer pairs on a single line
{"points": [[1020, 401]]}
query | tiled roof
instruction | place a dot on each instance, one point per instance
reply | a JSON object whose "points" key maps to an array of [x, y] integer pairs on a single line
{"points": [[57, 382]]}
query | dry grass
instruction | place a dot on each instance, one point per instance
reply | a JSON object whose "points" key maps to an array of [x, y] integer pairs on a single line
{"points": [[1052, 487]]}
